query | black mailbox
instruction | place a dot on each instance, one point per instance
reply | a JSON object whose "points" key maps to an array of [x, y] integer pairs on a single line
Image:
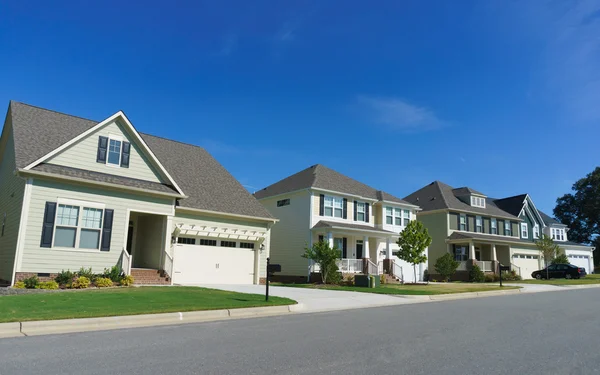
{"points": [[272, 268], [504, 268]]}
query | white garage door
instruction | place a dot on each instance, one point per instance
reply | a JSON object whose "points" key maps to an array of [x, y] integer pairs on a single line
{"points": [[582, 261], [527, 263], [195, 264]]}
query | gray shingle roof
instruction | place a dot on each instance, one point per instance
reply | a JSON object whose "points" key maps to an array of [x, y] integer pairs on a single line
{"points": [[548, 220], [208, 185], [103, 177], [320, 177], [438, 195], [512, 205], [330, 224], [465, 191], [487, 237]]}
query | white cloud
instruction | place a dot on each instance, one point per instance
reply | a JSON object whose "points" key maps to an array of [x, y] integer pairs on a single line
{"points": [[399, 114]]}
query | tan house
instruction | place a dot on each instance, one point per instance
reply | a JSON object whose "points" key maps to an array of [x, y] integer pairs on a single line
{"points": [[79, 193], [320, 204]]}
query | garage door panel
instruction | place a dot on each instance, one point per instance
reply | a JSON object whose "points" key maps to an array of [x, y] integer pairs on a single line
{"points": [[527, 263], [194, 264], [581, 261]]}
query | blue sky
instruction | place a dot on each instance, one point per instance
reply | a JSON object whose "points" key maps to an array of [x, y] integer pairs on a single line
{"points": [[501, 96]]}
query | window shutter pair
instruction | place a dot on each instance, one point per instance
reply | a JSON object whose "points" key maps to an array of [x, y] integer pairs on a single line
{"points": [[48, 227], [103, 150]]}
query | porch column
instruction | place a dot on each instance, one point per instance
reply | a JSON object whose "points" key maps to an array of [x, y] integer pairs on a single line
{"points": [[366, 249], [471, 251], [388, 248], [494, 257], [330, 239]]}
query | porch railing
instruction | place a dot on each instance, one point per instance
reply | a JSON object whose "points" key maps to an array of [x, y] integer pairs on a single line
{"points": [[485, 265], [380, 268], [347, 265], [397, 271], [515, 268], [372, 268], [168, 264], [126, 262]]}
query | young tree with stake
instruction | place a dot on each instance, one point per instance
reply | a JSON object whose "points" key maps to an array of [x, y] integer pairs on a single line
{"points": [[548, 249], [413, 242]]}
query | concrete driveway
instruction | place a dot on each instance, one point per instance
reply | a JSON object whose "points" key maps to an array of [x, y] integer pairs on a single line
{"points": [[314, 300]]}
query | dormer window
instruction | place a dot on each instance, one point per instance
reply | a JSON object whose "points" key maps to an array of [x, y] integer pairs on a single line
{"points": [[477, 201], [558, 234]]}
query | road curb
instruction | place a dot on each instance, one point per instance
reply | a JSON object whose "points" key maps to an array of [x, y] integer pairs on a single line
{"points": [[10, 330]]}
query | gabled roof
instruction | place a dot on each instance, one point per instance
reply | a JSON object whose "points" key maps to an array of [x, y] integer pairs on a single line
{"points": [[466, 191], [438, 195], [548, 220], [512, 205], [209, 186], [320, 177]]}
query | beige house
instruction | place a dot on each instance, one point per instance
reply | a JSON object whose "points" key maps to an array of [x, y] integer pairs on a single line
{"points": [[320, 204], [79, 193]]}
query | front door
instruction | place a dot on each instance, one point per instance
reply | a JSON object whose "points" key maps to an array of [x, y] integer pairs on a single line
{"points": [[359, 249], [477, 254]]}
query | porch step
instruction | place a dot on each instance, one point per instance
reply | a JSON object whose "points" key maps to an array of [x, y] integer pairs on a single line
{"points": [[143, 276]]}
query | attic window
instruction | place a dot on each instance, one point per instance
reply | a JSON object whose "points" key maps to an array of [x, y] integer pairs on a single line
{"points": [[114, 152], [477, 202], [283, 202]]}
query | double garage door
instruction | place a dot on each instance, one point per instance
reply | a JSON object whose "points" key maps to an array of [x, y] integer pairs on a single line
{"points": [[527, 263], [582, 261], [195, 264]]}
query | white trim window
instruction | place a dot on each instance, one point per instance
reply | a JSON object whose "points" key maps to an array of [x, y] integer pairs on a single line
{"points": [[462, 223], [397, 216], [478, 224], [536, 231], [113, 156], [493, 226], [71, 232], [360, 211], [406, 217], [524, 230], [558, 234], [333, 206], [477, 202], [389, 215], [507, 228]]}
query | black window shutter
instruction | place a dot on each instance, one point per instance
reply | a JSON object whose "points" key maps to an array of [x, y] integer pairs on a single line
{"points": [[107, 230], [321, 238], [321, 205], [355, 210], [102, 147], [367, 212], [345, 209], [48, 225], [125, 154], [344, 247], [458, 221]]}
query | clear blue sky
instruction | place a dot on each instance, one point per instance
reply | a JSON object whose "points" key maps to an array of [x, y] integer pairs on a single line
{"points": [[501, 96]]}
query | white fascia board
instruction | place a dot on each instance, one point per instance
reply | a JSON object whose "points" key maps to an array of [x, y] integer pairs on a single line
{"points": [[226, 214], [112, 118], [369, 200], [535, 210], [408, 205]]}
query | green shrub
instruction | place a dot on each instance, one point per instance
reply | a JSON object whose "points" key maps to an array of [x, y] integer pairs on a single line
{"points": [[446, 266], [114, 273], [510, 276], [64, 278], [86, 272], [426, 275], [382, 279], [347, 280], [31, 282], [561, 259], [476, 275], [19, 285], [50, 285], [491, 277], [126, 280], [103, 282], [81, 282], [334, 276]]}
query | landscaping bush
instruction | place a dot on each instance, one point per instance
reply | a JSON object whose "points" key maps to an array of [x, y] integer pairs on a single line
{"points": [[126, 280], [491, 277], [446, 266], [50, 285], [510, 276], [114, 273], [87, 272], [347, 280], [426, 275], [382, 279], [81, 282], [19, 285], [64, 277], [31, 282], [103, 282], [561, 259], [476, 275], [334, 276]]}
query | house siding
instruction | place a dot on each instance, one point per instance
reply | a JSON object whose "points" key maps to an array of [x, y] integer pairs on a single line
{"points": [[292, 233], [82, 155], [208, 220], [11, 200], [47, 260], [437, 226], [453, 217]]}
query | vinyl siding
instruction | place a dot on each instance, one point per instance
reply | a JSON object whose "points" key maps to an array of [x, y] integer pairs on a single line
{"points": [[83, 154], [208, 220], [292, 233], [453, 217], [486, 225], [38, 259], [378, 215], [437, 226], [11, 201], [471, 223], [516, 230]]}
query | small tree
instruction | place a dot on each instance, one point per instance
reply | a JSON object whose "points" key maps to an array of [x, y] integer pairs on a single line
{"points": [[561, 259], [323, 255], [476, 275], [413, 242], [548, 249], [446, 266]]}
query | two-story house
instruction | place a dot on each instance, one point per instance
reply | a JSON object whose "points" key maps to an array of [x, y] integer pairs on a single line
{"points": [[79, 193], [320, 204], [485, 231]]}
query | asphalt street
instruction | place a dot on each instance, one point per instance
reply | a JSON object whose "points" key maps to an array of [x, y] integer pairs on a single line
{"points": [[541, 333]]}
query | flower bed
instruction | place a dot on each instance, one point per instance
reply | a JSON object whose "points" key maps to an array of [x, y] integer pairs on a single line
{"points": [[82, 279]]}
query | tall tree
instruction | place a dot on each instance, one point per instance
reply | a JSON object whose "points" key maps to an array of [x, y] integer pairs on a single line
{"points": [[413, 242], [548, 249]]}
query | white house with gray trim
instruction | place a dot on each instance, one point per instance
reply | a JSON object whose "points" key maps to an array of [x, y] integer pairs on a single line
{"points": [[320, 204], [79, 193]]}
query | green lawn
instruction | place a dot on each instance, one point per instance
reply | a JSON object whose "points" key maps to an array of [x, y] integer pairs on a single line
{"points": [[407, 289], [125, 301], [589, 279]]}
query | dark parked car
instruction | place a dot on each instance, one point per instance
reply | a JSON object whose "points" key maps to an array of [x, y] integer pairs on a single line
{"points": [[560, 271]]}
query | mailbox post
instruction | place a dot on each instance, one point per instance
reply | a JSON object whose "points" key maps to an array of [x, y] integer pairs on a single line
{"points": [[271, 269], [503, 268]]}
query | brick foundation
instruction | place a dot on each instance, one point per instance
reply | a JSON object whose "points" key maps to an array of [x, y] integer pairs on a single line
{"points": [[290, 279], [20, 276]]}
